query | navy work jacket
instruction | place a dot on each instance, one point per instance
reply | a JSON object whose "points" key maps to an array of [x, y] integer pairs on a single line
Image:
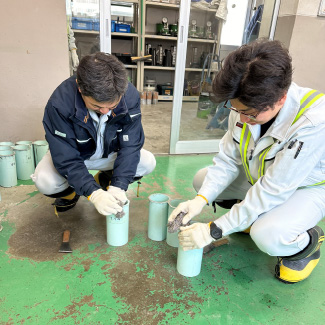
{"points": [[72, 136]]}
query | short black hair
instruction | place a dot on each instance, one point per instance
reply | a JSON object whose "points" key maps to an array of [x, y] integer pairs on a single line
{"points": [[257, 74], [102, 76]]}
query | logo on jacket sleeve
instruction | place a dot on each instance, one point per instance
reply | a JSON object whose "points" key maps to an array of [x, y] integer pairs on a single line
{"points": [[125, 137]]}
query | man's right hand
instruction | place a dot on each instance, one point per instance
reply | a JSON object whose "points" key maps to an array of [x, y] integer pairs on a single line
{"points": [[192, 208], [104, 202]]}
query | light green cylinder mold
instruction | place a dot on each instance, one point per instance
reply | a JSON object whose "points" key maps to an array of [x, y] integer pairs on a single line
{"points": [[189, 262], [158, 215], [28, 143], [8, 173], [40, 149], [24, 162], [118, 228]]}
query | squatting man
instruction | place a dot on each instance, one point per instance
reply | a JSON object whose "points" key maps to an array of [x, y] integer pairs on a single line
{"points": [[93, 122], [270, 169]]}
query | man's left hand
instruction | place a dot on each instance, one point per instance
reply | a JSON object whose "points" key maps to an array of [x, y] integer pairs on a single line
{"points": [[195, 236], [118, 193]]}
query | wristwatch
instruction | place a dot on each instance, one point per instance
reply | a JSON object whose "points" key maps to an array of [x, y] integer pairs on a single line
{"points": [[215, 231]]}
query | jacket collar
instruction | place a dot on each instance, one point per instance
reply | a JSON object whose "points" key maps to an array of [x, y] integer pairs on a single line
{"points": [[280, 128], [82, 113]]}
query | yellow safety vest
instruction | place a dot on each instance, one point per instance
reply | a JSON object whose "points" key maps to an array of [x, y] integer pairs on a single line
{"points": [[245, 136]]}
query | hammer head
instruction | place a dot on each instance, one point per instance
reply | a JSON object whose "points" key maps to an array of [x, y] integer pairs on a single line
{"points": [[65, 246]]}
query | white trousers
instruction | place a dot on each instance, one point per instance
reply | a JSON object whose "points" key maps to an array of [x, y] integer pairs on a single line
{"points": [[48, 181], [281, 231]]}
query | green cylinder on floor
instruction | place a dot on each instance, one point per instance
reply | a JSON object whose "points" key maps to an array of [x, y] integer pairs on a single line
{"points": [[118, 228], [172, 237], [8, 173], [189, 262], [24, 162], [40, 149], [158, 215], [6, 143], [5, 148], [28, 143]]}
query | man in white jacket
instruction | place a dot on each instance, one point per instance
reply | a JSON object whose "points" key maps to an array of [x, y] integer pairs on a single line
{"points": [[270, 169]]}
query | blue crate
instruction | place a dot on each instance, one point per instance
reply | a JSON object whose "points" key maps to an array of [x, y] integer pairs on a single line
{"points": [[96, 24], [122, 28], [82, 23]]}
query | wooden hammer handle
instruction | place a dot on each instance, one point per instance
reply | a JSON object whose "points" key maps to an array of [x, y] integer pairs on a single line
{"points": [[66, 236]]}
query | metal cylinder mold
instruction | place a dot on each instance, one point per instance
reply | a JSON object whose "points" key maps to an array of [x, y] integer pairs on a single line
{"points": [[8, 172], [28, 143], [40, 149], [24, 162], [118, 228], [158, 215], [189, 262]]}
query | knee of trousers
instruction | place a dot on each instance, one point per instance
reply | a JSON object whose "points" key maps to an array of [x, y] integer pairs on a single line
{"points": [[269, 240], [147, 163], [47, 184], [199, 178]]}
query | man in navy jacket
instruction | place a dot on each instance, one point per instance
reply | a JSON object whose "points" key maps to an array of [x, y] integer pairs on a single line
{"points": [[93, 122]]}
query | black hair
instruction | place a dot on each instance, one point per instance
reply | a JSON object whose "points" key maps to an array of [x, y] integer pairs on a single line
{"points": [[257, 74], [102, 77]]}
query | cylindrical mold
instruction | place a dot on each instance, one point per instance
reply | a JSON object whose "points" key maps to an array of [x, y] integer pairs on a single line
{"points": [[118, 228], [5, 148], [24, 162], [7, 144], [189, 262], [149, 97], [28, 143], [8, 173], [172, 237], [40, 149], [143, 96], [158, 215]]}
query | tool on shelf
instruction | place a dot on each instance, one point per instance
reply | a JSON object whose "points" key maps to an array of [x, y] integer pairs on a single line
{"points": [[141, 58]]}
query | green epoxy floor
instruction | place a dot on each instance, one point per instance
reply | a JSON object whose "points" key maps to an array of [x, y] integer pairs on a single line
{"points": [[137, 283]]}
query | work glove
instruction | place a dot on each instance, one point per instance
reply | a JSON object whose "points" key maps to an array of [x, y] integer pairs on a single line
{"points": [[118, 193], [74, 59], [191, 207], [104, 202], [195, 236]]}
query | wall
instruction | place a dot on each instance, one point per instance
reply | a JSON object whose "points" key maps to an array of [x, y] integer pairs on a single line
{"points": [[308, 46], [302, 31], [34, 59]]}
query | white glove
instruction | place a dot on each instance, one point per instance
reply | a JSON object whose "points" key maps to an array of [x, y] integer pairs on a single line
{"points": [[192, 208], [104, 202], [195, 236], [74, 58], [118, 193]]}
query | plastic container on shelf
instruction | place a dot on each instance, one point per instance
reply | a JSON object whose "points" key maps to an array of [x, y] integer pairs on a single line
{"points": [[122, 28], [82, 23], [96, 24]]}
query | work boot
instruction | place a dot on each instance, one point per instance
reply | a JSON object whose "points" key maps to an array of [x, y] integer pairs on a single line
{"points": [[103, 178], [295, 268], [65, 204]]}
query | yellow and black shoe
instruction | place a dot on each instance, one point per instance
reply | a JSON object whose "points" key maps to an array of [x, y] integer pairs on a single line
{"points": [[66, 203], [295, 268], [103, 178]]}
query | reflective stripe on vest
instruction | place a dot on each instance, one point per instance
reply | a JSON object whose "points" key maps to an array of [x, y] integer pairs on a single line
{"points": [[310, 98]]}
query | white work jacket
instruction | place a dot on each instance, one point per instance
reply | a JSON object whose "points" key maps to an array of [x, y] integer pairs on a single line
{"points": [[286, 168]]}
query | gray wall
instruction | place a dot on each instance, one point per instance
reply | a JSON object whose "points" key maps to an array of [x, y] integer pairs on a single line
{"points": [[34, 59], [299, 27]]}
